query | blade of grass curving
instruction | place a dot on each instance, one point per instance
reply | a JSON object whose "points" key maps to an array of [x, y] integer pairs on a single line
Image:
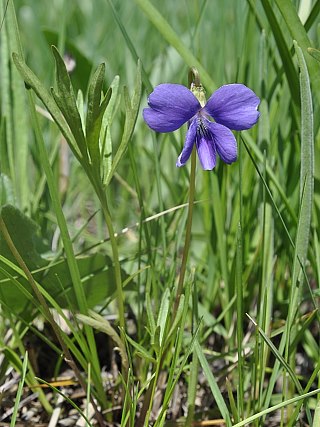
{"points": [[213, 384], [311, 381], [165, 29], [298, 33], [248, 141], [100, 323], [276, 407], [130, 45], [19, 391], [283, 49], [306, 183], [71, 402], [312, 16], [281, 218]]}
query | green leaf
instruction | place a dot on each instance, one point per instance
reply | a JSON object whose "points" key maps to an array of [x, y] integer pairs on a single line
{"points": [[95, 114], [141, 351], [23, 232], [163, 314], [66, 101], [101, 324], [131, 110], [83, 65], [283, 49], [105, 134], [298, 33], [19, 391], [32, 81], [212, 384], [306, 170], [96, 271], [274, 408]]}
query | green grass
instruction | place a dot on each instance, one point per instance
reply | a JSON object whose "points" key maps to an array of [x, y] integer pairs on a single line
{"points": [[244, 334]]}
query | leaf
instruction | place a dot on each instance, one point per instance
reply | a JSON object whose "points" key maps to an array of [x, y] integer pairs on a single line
{"points": [[101, 324], [32, 81], [95, 114], [105, 133], [163, 314], [23, 232], [96, 271], [306, 170], [131, 108], [141, 351], [283, 49], [66, 101], [212, 383], [83, 65], [274, 408], [298, 33], [19, 391]]}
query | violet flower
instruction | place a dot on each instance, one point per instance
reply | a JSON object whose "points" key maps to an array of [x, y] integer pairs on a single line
{"points": [[233, 106]]}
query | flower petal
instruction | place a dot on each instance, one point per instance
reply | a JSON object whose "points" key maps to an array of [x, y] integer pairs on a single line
{"points": [[188, 144], [225, 142], [234, 106], [171, 105], [206, 150]]}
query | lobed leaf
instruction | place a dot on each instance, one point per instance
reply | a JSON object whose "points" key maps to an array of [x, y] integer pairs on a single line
{"points": [[32, 81], [66, 101]]}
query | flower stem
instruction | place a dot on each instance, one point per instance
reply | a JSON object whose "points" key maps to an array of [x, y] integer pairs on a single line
{"points": [[188, 229]]}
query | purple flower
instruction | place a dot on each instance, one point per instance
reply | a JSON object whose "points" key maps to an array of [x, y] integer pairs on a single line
{"points": [[232, 106]]}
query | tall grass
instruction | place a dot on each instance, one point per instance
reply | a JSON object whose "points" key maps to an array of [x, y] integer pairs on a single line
{"points": [[241, 343]]}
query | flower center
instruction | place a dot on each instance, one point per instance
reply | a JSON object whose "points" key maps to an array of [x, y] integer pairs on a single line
{"points": [[202, 129]]}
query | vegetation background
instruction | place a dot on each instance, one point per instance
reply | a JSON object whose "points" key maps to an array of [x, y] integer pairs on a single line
{"points": [[242, 346]]}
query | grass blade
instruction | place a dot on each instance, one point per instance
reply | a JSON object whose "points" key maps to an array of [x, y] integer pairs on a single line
{"points": [[19, 392], [213, 384], [298, 33], [174, 40]]}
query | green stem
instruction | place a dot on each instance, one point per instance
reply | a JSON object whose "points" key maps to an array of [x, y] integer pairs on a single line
{"points": [[188, 229], [193, 81]]}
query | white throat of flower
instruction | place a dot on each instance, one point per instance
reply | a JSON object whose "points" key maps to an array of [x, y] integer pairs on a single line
{"points": [[199, 93]]}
